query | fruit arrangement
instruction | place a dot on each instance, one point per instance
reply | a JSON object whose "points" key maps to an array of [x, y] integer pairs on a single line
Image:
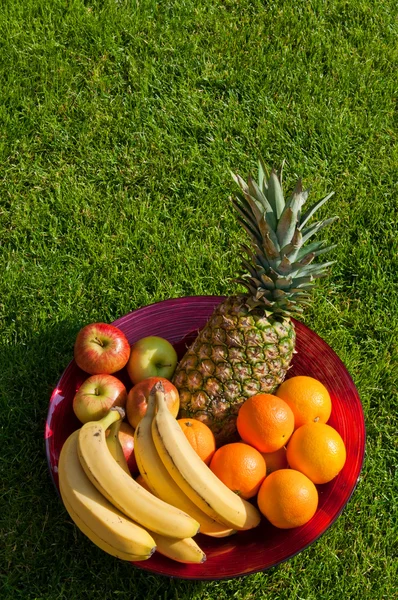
{"points": [[220, 441]]}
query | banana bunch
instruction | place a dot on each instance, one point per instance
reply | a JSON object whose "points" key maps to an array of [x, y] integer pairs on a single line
{"points": [[111, 508], [179, 493], [158, 479], [174, 471]]}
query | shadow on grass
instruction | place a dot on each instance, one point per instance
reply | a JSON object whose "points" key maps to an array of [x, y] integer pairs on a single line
{"points": [[45, 554]]}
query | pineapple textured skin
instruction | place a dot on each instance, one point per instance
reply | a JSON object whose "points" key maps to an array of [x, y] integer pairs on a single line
{"points": [[239, 353]]}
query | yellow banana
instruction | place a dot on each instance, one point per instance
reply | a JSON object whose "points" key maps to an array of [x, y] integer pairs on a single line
{"points": [[115, 447], [194, 477], [184, 551], [102, 544], [94, 511], [120, 488], [159, 480]]}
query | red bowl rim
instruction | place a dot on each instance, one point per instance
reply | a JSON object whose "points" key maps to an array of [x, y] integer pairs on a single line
{"points": [[172, 301]]}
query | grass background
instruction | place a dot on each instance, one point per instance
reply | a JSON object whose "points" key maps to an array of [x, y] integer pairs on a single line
{"points": [[120, 121]]}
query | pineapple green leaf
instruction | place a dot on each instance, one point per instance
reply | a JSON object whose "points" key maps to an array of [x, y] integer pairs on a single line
{"points": [[262, 261], [278, 269], [316, 269], [287, 224], [284, 283], [267, 282], [324, 250], [298, 188], [261, 199], [262, 176], [313, 229], [292, 248], [286, 227], [269, 246], [311, 211], [314, 247], [241, 182], [298, 196], [256, 192], [305, 286], [253, 234], [275, 194], [246, 220], [244, 213], [280, 172], [303, 282], [257, 197], [252, 304], [284, 267], [257, 260], [317, 248], [306, 260], [299, 294], [251, 270], [267, 231], [255, 206], [278, 294]]}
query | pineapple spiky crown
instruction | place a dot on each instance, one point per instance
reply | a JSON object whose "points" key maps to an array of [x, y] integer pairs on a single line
{"points": [[279, 273]]}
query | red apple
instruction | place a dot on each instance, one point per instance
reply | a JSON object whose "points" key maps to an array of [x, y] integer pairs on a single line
{"points": [[101, 348], [126, 438], [151, 356], [97, 395], [137, 399]]}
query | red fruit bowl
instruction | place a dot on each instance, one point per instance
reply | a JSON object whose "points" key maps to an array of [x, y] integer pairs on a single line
{"points": [[266, 546]]}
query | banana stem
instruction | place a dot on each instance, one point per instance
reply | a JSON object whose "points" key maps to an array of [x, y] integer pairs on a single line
{"points": [[158, 395], [160, 400], [115, 413], [115, 428], [151, 405]]}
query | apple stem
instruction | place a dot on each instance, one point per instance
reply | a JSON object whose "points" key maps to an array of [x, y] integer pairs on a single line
{"points": [[98, 341]]}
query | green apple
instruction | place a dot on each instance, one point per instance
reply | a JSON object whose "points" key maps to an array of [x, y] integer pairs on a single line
{"points": [[151, 356]]}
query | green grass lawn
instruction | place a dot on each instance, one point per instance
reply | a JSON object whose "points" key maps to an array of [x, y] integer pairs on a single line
{"points": [[120, 121]]}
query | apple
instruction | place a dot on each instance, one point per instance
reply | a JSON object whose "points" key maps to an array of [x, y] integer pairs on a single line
{"points": [[151, 356], [137, 399], [126, 439], [96, 396], [101, 348]]}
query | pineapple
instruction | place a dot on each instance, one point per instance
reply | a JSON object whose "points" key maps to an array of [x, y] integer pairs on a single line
{"points": [[247, 345]]}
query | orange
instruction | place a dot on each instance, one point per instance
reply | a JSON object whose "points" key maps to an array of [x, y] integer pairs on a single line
{"points": [[265, 422], [240, 467], [318, 451], [308, 398], [200, 437], [275, 460], [287, 499]]}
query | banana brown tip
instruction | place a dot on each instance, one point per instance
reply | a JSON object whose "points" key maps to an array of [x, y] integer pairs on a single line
{"points": [[158, 387]]}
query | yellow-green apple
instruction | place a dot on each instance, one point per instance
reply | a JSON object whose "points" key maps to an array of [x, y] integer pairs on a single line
{"points": [[126, 438], [151, 356], [137, 399], [101, 348], [96, 396]]}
